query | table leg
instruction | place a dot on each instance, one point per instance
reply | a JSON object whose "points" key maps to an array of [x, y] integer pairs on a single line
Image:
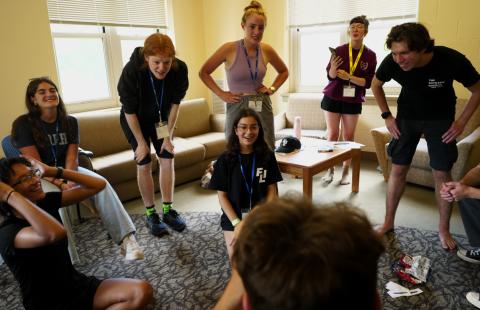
{"points": [[357, 155], [307, 183]]}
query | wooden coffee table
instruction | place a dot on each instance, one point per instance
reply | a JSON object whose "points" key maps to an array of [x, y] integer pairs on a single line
{"points": [[308, 162]]}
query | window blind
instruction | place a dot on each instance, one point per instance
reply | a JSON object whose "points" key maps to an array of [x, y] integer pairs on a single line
{"points": [[139, 13], [321, 12]]}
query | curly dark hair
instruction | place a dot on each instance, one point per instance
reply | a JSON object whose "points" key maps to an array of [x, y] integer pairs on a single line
{"points": [[415, 35]]}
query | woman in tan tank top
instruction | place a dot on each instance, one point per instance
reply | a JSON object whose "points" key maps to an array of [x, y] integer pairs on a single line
{"points": [[245, 64]]}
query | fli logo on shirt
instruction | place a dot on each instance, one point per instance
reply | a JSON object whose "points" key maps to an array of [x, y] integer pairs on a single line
{"points": [[432, 83], [363, 65], [60, 139], [261, 174]]}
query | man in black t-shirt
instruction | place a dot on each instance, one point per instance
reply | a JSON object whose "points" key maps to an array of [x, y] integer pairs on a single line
{"points": [[426, 106]]}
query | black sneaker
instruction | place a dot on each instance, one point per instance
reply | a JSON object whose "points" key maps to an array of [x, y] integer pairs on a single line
{"points": [[155, 225], [471, 256], [174, 220]]}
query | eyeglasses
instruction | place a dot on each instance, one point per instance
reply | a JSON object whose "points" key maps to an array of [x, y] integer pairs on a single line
{"points": [[35, 173], [357, 26], [244, 128]]}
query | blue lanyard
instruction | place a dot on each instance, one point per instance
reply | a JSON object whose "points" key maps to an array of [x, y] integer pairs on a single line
{"points": [[249, 188], [156, 97], [252, 76], [53, 147]]}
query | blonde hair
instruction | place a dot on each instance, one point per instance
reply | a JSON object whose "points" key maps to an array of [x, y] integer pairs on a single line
{"points": [[255, 7]]}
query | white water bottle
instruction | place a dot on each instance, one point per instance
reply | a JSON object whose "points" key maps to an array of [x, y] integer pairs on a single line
{"points": [[297, 127]]}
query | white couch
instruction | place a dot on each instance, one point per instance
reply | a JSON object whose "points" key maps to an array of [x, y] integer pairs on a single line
{"points": [[307, 106]]}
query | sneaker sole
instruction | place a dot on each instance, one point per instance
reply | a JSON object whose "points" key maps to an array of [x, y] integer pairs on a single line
{"points": [[468, 259], [132, 256], [471, 299]]}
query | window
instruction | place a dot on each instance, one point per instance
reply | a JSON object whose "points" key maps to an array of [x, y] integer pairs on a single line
{"points": [[312, 34], [91, 49]]}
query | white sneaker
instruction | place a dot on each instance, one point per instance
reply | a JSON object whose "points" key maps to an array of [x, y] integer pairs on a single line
{"points": [[473, 298], [130, 248]]}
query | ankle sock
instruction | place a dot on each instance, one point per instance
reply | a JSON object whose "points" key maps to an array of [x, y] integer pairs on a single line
{"points": [[166, 207], [150, 210]]}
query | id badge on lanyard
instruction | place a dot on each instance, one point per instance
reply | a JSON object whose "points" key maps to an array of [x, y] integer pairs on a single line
{"points": [[162, 130], [255, 103], [161, 127], [249, 188], [348, 91]]}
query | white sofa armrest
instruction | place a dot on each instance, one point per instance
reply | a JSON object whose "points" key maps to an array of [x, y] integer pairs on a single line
{"points": [[468, 154], [279, 121], [381, 136]]}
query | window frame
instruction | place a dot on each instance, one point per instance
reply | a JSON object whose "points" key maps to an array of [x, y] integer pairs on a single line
{"points": [[295, 33], [112, 56]]}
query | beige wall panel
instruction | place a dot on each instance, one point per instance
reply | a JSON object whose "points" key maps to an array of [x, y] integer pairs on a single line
{"points": [[190, 42], [26, 52]]}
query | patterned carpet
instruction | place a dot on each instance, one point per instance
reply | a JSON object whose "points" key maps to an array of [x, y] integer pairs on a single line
{"points": [[189, 270]]}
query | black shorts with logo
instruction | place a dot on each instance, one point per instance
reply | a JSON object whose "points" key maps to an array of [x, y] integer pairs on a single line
{"points": [[442, 155]]}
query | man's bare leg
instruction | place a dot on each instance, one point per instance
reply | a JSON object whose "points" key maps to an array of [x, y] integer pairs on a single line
{"points": [[445, 210], [395, 189]]}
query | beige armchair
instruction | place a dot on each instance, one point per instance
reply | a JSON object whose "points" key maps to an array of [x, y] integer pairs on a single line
{"points": [[468, 144]]}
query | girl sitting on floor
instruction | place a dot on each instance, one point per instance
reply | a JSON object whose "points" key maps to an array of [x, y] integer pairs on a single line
{"points": [[245, 174]]}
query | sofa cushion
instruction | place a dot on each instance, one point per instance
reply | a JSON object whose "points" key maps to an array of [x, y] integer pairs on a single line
{"points": [[421, 158], [187, 152], [193, 118], [214, 143], [100, 132], [118, 167], [307, 106]]}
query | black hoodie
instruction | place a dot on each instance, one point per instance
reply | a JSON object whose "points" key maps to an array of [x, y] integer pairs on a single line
{"points": [[136, 93]]}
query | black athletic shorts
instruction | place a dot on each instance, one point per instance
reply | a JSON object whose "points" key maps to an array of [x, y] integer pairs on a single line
{"points": [[341, 107], [149, 136], [442, 155]]}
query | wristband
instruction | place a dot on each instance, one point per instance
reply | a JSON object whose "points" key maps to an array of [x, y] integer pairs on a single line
{"points": [[9, 194], [235, 222], [59, 174]]}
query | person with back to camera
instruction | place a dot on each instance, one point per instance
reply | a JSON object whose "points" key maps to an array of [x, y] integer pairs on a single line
{"points": [[245, 65], [426, 106], [350, 72], [294, 255], [49, 134], [33, 242], [245, 174], [151, 87]]}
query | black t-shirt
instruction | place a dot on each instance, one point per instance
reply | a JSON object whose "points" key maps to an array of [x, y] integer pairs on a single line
{"points": [[53, 154], [137, 95], [427, 92], [227, 177], [45, 274]]}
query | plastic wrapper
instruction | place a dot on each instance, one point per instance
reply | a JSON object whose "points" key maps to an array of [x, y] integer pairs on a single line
{"points": [[412, 269]]}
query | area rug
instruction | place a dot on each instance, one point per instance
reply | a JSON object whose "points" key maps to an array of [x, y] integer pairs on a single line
{"points": [[189, 270]]}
